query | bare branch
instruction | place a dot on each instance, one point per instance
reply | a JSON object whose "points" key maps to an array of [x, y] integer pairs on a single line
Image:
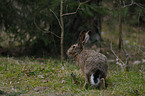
{"points": [[56, 18], [126, 54], [72, 13], [45, 30], [116, 55], [122, 64], [69, 13], [85, 2], [53, 34], [140, 5], [134, 3], [37, 26], [137, 47]]}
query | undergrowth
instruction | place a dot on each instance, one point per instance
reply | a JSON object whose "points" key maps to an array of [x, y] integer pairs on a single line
{"points": [[30, 76]]}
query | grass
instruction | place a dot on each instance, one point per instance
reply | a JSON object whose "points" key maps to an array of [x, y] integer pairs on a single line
{"points": [[29, 76], [40, 76]]}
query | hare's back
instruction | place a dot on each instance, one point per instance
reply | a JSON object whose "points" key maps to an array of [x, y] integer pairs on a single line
{"points": [[96, 61]]}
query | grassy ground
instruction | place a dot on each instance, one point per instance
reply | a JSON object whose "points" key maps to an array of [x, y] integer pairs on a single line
{"points": [[29, 76], [37, 76]]}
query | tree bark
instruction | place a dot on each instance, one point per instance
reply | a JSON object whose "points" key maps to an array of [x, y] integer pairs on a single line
{"points": [[62, 29], [120, 45]]}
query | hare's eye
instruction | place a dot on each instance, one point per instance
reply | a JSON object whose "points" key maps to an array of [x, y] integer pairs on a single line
{"points": [[74, 46]]}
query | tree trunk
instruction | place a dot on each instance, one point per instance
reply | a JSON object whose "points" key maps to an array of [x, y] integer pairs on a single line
{"points": [[120, 33], [62, 29], [120, 45]]}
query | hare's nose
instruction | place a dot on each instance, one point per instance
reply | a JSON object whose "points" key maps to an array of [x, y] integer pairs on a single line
{"points": [[68, 53]]}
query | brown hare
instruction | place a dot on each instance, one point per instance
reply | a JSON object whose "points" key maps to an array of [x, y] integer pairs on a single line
{"points": [[93, 64]]}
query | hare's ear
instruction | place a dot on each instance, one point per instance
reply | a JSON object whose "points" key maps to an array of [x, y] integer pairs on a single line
{"points": [[81, 37], [86, 38]]}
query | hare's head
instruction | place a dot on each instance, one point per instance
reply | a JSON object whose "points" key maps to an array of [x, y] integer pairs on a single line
{"points": [[75, 49]]}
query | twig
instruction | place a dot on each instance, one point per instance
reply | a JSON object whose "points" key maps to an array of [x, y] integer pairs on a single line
{"points": [[45, 30], [86, 1], [134, 3], [140, 5], [122, 64], [140, 50], [127, 57], [53, 34], [116, 55], [37, 26], [72, 13], [56, 18], [126, 54]]}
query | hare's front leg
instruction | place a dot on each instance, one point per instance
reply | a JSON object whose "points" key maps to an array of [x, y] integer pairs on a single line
{"points": [[86, 81]]}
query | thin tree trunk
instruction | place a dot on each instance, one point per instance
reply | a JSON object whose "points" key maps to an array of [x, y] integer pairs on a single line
{"points": [[62, 28], [120, 28], [120, 33]]}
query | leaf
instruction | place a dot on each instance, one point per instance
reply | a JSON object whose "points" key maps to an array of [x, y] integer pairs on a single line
{"points": [[136, 62], [41, 76], [63, 81]]}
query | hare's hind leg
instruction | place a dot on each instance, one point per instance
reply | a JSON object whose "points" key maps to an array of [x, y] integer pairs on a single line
{"points": [[102, 84]]}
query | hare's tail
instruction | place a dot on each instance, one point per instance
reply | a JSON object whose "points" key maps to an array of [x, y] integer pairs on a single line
{"points": [[95, 78]]}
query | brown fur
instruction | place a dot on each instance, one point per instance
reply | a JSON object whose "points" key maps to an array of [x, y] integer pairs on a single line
{"points": [[88, 60]]}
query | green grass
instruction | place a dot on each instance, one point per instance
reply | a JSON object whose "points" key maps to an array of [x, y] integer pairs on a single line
{"points": [[29, 76], [37, 76]]}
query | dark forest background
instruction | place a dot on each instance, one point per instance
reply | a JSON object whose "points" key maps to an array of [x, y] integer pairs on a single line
{"points": [[32, 27]]}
